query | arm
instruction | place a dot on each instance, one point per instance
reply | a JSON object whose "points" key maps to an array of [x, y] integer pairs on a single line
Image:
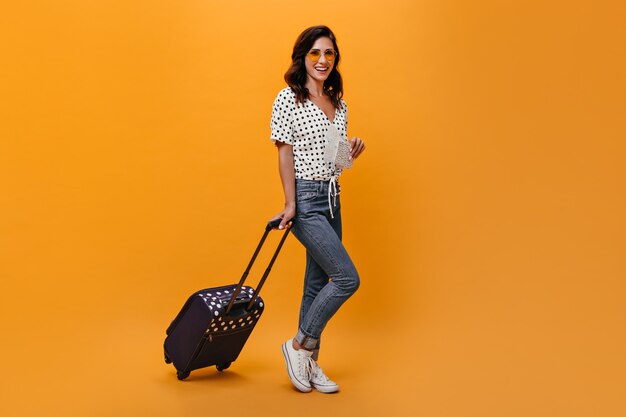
{"points": [[287, 177]]}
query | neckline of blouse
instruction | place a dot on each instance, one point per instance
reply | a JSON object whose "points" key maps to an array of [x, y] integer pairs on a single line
{"points": [[322, 111]]}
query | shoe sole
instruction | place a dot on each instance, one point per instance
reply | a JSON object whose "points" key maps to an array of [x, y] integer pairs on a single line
{"points": [[301, 387], [326, 390]]}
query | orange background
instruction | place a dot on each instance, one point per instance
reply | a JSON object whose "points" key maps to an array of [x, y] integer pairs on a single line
{"points": [[486, 216]]}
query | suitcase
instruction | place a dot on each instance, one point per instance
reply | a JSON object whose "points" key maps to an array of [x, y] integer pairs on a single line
{"points": [[215, 323]]}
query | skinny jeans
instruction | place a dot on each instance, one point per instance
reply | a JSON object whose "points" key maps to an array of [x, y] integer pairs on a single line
{"points": [[330, 276]]}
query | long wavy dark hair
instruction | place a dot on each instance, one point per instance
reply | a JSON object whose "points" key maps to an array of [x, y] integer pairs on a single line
{"points": [[296, 74]]}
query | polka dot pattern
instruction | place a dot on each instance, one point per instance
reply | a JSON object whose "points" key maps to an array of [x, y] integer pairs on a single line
{"points": [[217, 301], [305, 127]]}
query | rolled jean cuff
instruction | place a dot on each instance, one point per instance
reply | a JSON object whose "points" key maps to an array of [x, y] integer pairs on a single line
{"points": [[307, 342]]}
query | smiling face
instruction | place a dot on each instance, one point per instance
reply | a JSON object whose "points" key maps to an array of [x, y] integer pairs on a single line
{"points": [[320, 70]]}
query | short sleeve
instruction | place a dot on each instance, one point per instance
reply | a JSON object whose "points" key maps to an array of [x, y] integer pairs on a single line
{"points": [[345, 113], [281, 123]]}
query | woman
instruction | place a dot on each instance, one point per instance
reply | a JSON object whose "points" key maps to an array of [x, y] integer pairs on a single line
{"points": [[309, 121]]}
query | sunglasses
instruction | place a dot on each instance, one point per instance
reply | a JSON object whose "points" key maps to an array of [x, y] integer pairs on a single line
{"points": [[315, 54]]}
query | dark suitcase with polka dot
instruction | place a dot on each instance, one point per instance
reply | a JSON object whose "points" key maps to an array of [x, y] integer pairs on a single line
{"points": [[215, 323]]}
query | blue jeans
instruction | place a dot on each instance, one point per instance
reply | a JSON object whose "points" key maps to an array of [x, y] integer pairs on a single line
{"points": [[330, 277]]}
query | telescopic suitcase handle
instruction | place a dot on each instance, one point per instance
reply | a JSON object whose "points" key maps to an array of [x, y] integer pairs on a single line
{"points": [[270, 225]]}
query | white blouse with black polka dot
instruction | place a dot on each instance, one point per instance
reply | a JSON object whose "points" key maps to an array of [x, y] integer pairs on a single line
{"points": [[304, 127]]}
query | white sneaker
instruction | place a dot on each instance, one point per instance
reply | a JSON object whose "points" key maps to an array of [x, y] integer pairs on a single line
{"points": [[320, 381], [298, 366]]}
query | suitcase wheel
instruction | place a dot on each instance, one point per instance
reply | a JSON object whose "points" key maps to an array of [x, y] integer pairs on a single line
{"points": [[167, 358], [182, 375], [222, 366]]}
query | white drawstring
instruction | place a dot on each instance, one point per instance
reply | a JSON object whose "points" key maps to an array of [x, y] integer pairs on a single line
{"points": [[332, 192]]}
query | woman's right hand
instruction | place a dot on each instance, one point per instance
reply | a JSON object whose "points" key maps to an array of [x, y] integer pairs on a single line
{"points": [[286, 215]]}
